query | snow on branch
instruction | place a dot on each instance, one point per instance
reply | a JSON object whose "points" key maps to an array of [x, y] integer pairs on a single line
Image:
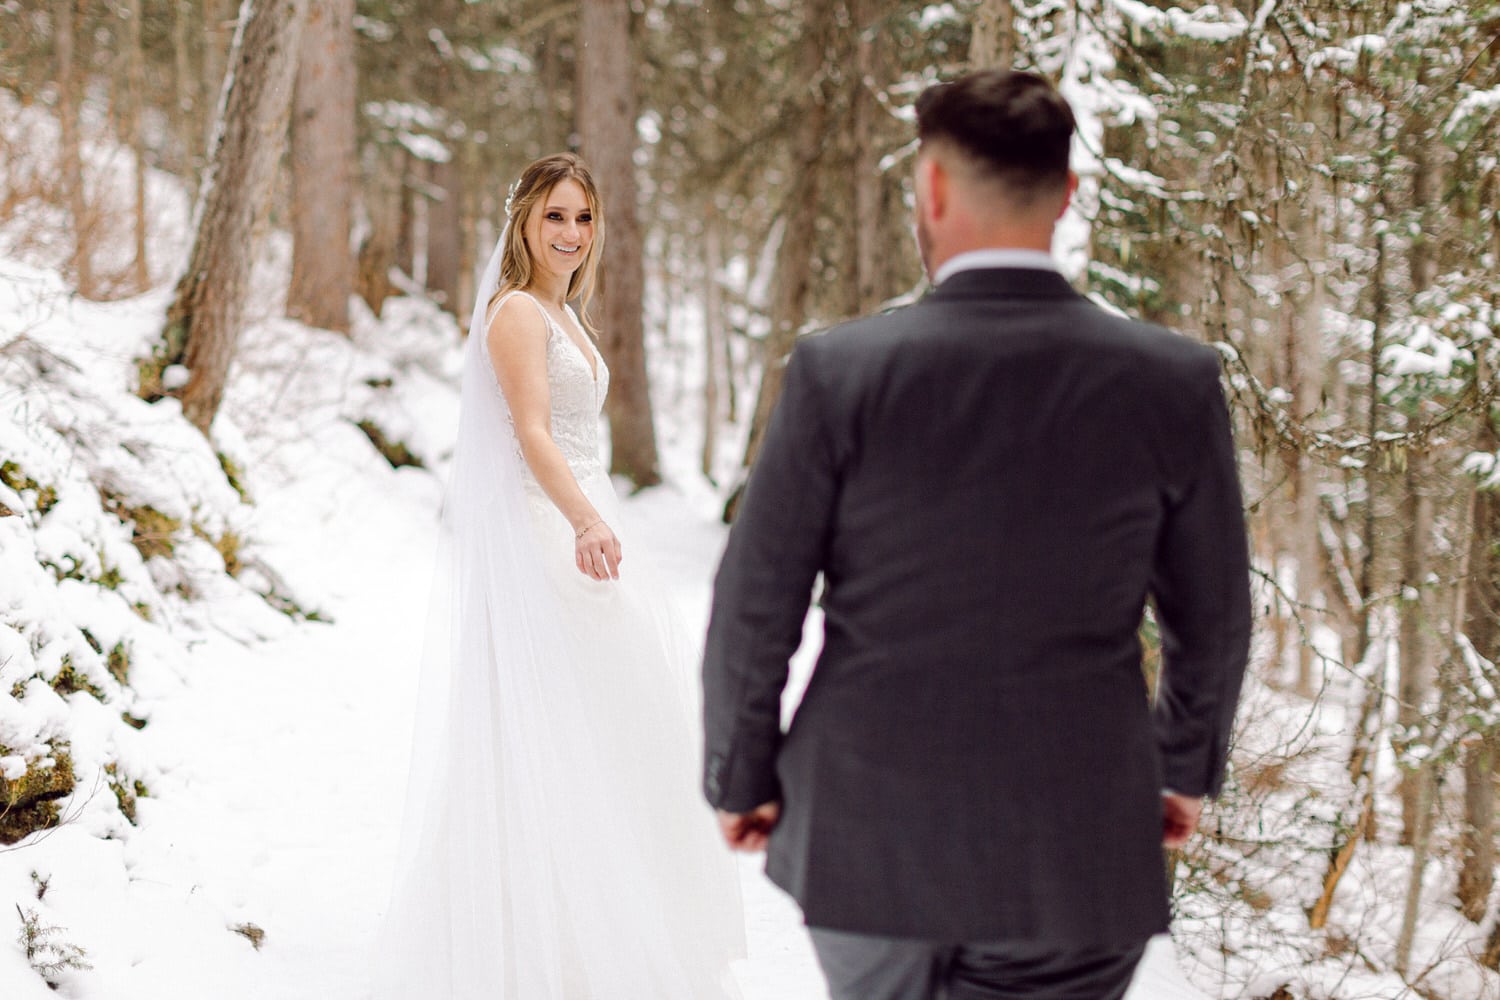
{"points": [[1475, 105], [1208, 23], [1346, 57]]}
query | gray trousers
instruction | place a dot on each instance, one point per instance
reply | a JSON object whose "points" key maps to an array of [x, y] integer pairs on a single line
{"points": [[861, 967]]}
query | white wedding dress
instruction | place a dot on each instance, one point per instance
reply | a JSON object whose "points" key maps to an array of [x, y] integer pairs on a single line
{"points": [[556, 846]]}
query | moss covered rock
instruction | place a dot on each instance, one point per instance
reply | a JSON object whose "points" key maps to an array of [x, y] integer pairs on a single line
{"points": [[29, 803]]}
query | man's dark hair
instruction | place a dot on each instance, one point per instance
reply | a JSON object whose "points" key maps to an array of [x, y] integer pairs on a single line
{"points": [[1013, 127]]}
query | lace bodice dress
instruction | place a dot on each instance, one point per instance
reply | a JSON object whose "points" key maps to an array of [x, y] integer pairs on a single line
{"points": [[577, 397]]}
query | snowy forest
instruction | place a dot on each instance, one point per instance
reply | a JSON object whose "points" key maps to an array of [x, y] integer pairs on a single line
{"points": [[237, 242]]}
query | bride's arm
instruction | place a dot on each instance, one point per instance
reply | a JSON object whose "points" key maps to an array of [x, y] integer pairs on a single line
{"points": [[517, 342]]}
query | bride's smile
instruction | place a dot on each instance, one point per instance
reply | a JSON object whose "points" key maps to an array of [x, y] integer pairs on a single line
{"points": [[564, 226]]}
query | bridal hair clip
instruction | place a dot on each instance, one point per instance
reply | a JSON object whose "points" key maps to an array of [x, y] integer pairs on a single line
{"points": [[510, 197]]}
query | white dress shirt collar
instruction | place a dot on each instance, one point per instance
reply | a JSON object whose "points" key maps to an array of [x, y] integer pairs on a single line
{"points": [[973, 260]]}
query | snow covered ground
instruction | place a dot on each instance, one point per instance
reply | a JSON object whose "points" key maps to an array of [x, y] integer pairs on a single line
{"points": [[259, 864]]}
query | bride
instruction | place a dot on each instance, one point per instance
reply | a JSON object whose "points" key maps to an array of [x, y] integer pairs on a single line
{"points": [[554, 845]]}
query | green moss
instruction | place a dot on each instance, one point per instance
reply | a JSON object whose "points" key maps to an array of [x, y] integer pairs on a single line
{"points": [[164, 353], [18, 822], [119, 662], [227, 545], [148, 378], [235, 475], [127, 791], [111, 578], [291, 608], [29, 804], [151, 532], [12, 475], [70, 681], [73, 570], [395, 452]]}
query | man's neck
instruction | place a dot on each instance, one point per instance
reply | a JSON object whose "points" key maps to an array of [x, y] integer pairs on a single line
{"points": [[1018, 238], [1027, 258]]}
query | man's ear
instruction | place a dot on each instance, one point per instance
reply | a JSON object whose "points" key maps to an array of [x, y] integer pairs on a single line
{"points": [[1068, 195], [937, 187]]}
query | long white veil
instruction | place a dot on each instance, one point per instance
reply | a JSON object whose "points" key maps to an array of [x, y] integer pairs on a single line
{"points": [[507, 848]]}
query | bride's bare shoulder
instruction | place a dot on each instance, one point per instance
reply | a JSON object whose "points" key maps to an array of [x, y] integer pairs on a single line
{"points": [[515, 316]]}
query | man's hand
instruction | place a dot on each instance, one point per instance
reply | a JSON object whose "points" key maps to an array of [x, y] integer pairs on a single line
{"points": [[1179, 818], [750, 831]]}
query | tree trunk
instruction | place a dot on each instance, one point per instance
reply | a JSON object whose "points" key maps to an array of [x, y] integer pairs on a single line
{"points": [[71, 168], [1481, 625], [1415, 680], [1476, 874], [383, 195], [407, 251], [793, 281], [220, 21], [713, 339], [204, 318], [322, 168], [606, 123], [552, 129], [1424, 780], [445, 232], [868, 182], [473, 251], [992, 39], [135, 69], [188, 136], [1306, 363]]}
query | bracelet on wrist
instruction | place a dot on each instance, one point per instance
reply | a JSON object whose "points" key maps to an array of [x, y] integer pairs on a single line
{"points": [[591, 527]]}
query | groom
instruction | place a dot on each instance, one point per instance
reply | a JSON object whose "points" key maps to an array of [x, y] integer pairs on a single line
{"points": [[972, 799]]}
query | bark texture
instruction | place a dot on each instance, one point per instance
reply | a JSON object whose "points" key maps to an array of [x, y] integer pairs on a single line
{"points": [[323, 163], [135, 72], [203, 321], [1481, 625], [383, 199], [992, 42], [868, 282], [793, 279], [445, 233], [606, 125], [65, 12]]}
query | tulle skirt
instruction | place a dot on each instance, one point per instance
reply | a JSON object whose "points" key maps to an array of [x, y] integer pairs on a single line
{"points": [[556, 845]]}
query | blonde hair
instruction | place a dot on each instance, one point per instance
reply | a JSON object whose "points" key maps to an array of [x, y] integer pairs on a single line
{"points": [[516, 263]]}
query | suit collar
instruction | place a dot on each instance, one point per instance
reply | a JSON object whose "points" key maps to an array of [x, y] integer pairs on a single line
{"points": [[978, 260], [1004, 282]]}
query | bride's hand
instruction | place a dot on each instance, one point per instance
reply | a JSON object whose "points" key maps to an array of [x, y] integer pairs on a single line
{"points": [[598, 552]]}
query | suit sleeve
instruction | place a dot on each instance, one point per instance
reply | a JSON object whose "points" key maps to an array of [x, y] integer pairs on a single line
{"points": [[1201, 587], [761, 594]]}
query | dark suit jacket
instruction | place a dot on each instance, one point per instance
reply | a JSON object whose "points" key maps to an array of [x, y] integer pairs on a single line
{"points": [[992, 482]]}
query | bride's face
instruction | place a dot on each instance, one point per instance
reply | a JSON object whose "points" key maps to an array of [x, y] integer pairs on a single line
{"points": [[560, 231]]}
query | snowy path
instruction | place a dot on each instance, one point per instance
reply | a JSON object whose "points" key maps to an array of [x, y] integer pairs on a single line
{"points": [[283, 806]]}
